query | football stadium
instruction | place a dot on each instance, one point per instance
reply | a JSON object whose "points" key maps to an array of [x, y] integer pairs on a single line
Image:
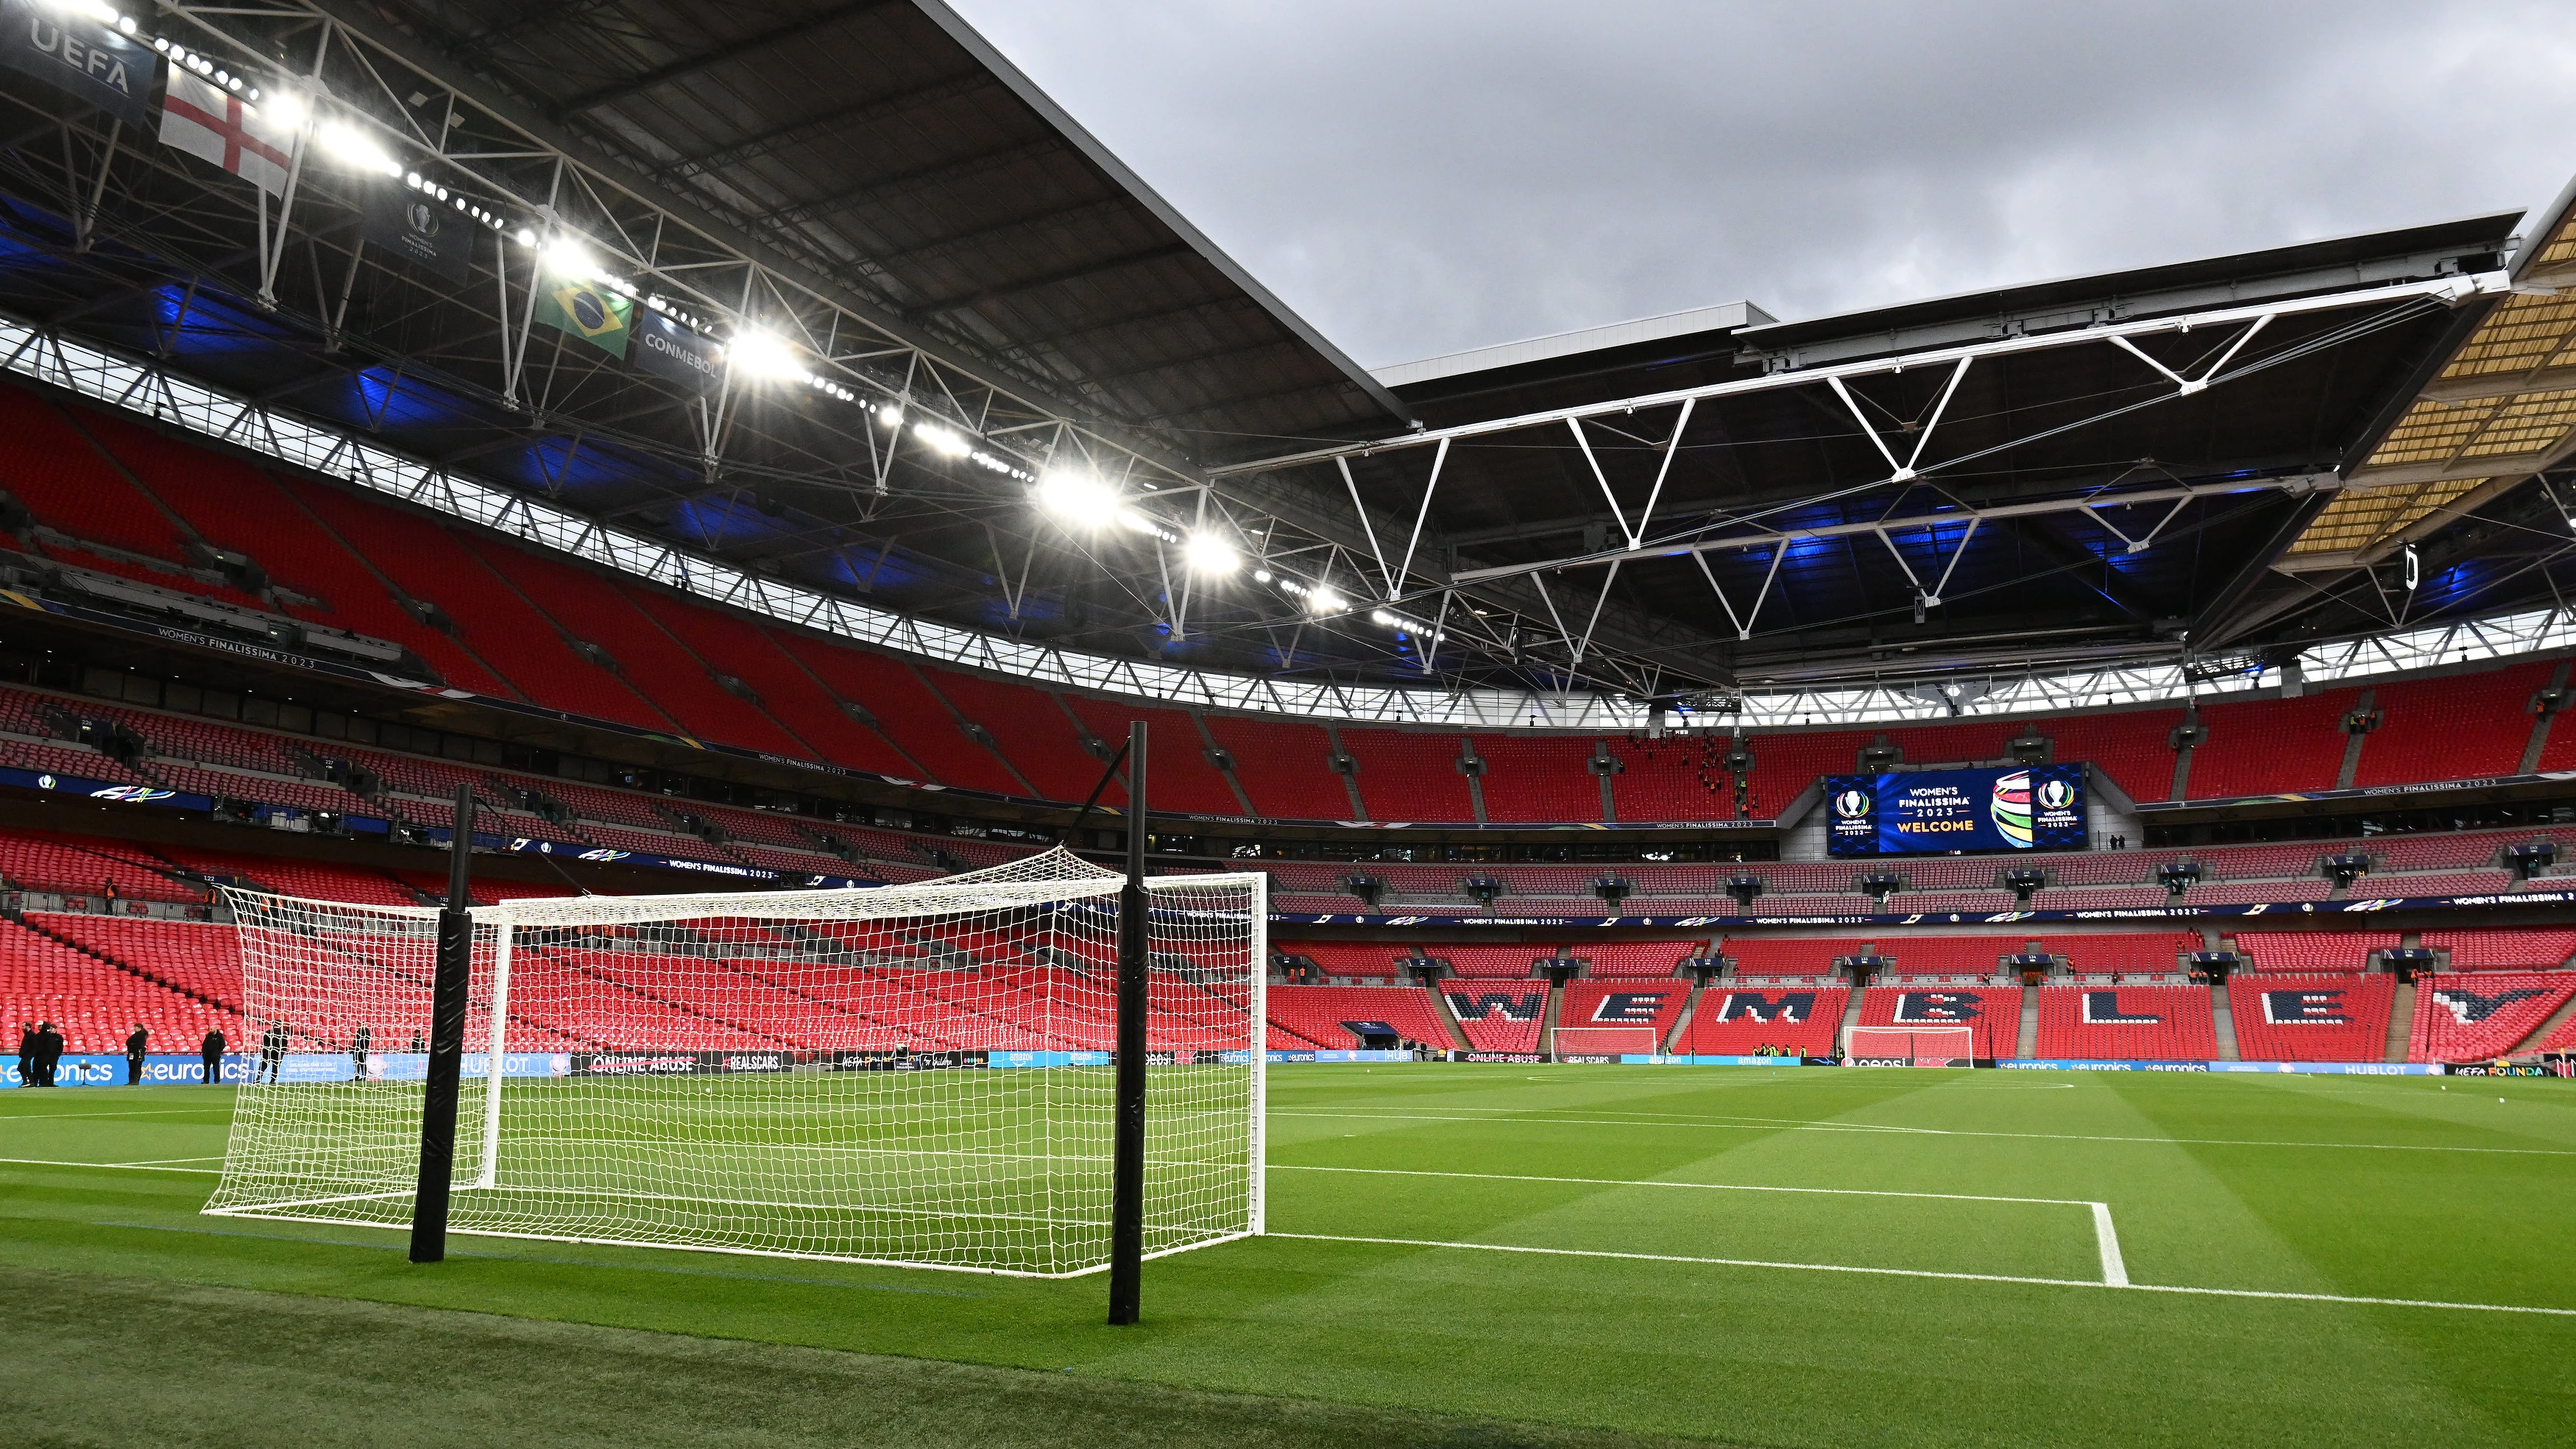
{"points": [[706, 736]]}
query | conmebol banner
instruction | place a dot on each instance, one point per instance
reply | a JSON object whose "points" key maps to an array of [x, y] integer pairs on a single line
{"points": [[2023, 807]]}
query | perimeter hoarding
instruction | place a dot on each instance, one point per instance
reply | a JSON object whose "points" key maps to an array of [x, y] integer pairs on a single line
{"points": [[1918, 812]]}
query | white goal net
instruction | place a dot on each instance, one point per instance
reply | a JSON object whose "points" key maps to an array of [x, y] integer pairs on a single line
{"points": [[1912, 1046], [913, 1074]]}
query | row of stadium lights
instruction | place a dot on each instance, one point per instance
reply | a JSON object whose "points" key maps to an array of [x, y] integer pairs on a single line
{"points": [[1078, 499], [755, 350], [1084, 502]]}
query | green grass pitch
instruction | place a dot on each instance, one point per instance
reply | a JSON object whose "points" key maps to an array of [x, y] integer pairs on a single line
{"points": [[1457, 1254]]}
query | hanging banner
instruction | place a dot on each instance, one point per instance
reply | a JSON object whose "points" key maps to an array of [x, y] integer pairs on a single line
{"points": [[213, 124], [75, 53], [422, 231], [590, 312], [674, 353]]}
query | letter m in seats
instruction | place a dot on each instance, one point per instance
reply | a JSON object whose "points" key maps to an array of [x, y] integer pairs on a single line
{"points": [[1789, 1006]]}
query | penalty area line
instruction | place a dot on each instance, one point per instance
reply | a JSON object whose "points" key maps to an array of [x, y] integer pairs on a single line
{"points": [[2123, 1286]]}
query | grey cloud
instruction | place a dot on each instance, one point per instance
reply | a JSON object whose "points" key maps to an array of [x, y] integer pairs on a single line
{"points": [[1420, 178]]}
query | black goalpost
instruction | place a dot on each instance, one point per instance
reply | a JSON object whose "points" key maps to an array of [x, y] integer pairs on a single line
{"points": [[1127, 1161], [448, 990]]}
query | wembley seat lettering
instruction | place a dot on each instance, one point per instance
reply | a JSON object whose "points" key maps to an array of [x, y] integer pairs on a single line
{"points": [[1936, 1006], [2306, 1007], [2469, 1006], [2102, 1008], [1788, 1006], [1629, 1007], [1492, 1004]]}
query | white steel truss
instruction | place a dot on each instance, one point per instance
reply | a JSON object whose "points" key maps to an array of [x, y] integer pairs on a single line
{"points": [[157, 393], [2253, 317]]}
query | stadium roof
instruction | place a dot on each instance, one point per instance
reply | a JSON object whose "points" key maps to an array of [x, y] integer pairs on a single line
{"points": [[2135, 467]]}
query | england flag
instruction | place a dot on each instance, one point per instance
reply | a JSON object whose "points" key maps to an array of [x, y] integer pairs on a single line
{"points": [[205, 120]]}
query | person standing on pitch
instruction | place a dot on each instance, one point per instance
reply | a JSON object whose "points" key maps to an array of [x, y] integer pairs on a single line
{"points": [[135, 1042], [272, 1054], [49, 1053], [358, 1052], [26, 1054], [212, 1049]]}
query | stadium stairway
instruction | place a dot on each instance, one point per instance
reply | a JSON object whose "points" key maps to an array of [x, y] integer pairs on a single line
{"points": [[1672, 1041], [1555, 1008], [2224, 1019], [1448, 1018], [2028, 1046], [2556, 1023], [1851, 1018], [2401, 1022]]}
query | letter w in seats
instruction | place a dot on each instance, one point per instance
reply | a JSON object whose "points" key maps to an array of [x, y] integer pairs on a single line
{"points": [[1494, 1003]]}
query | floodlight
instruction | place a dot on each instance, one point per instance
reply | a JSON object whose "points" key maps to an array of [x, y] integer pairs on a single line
{"points": [[759, 352], [357, 148], [1325, 601], [1076, 496], [567, 257], [890, 415], [1261, 576], [287, 109], [1211, 553], [941, 441]]}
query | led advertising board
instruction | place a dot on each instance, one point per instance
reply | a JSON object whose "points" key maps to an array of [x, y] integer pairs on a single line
{"points": [[2020, 807]]}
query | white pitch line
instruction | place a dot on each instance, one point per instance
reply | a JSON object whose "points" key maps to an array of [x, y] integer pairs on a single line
{"points": [[1757, 1124], [2115, 1271], [1930, 1273], [6, 1117], [1673, 1182], [114, 1166]]}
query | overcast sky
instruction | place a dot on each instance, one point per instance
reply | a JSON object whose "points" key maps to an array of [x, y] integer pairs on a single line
{"points": [[1416, 178]]}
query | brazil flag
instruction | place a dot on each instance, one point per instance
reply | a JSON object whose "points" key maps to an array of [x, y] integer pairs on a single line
{"points": [[594, 314]]}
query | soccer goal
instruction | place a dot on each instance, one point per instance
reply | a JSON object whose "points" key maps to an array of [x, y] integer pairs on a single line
{"points": [[914, 1074], [1584, 1041], [1911, 1046]]}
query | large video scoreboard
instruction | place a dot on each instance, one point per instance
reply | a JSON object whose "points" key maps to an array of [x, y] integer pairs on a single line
{"points": [[2022, 807]]}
